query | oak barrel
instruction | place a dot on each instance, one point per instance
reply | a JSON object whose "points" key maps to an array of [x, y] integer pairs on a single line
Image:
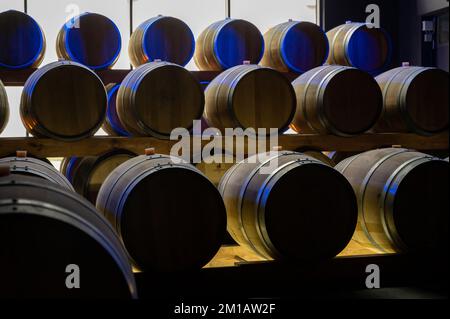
{"points": [[289, 206], [227, 43], [87, 174], [402, 199], [295, 46], [22, 41], [158, 97], [45, 228], [112, 125], [22, 164], [169, 215], [318, 156], [63, 100], [415, 100], [215, 163], [360, 45], [250, 96], [68, 167], [162, 38], [337, 100], [4, 107]]}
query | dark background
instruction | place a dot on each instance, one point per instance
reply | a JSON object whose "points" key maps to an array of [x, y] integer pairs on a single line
{"points": [[401, 18]]}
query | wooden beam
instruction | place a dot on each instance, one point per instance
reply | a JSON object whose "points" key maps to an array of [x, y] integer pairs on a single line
{"points": [[19, 77], [98, 145]]}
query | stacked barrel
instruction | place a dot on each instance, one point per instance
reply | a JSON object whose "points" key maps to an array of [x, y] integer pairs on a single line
{"points": [[161, 213]]}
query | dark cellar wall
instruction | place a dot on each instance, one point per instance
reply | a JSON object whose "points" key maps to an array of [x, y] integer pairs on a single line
{"points": [[401, 18]]}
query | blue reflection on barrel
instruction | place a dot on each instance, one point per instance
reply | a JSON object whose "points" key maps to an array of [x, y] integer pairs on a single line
{"points": [[111, 114], [22, 42], [92, 40], [298, 50], [231, 45], [168, 39], [369, 49]]}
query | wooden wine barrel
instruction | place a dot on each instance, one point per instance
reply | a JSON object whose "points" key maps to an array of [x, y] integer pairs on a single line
{"points": [[90, 39], [63, 100], [4, 108], [215, 164], [415, 100], [289, 206], [402, 198], [250, 96], [44, 228], [22, 41], [162, 38], [336, 100], [158, 97], [22, 164], [68, 167], [339, 156], [295, 46], [360, 45], [89, 173], [169, 215], [318, 156], [112, 125], [227, 43]]}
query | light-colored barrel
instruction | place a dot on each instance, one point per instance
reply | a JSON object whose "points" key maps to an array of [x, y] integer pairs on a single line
{"points": [[227, 43], [22, 41], [289, 206], [295, 46], [158, 97], [250, 96], [63, 100], [47, 234], [337, 100], [162, 38], [90, 39], [415, 100], [4, 108], [168, 214], [402, 200], [89, 173], [360, 45]]}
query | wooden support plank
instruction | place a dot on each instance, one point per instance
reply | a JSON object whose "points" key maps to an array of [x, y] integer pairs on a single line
{"points": [[97, 145], [19, 77]]}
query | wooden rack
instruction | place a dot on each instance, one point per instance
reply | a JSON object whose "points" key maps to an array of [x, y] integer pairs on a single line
{"points": [[98, 145]]}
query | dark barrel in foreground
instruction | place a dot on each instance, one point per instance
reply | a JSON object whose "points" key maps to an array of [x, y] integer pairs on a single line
{"points": [[289, 206], [337, 100], [90, 39], [403, 200], [64, 101], [295, 46], [49, 236], [415, 100], [227, 43], [360, 45], [250, 96], [22, 41], [169, 215]]}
